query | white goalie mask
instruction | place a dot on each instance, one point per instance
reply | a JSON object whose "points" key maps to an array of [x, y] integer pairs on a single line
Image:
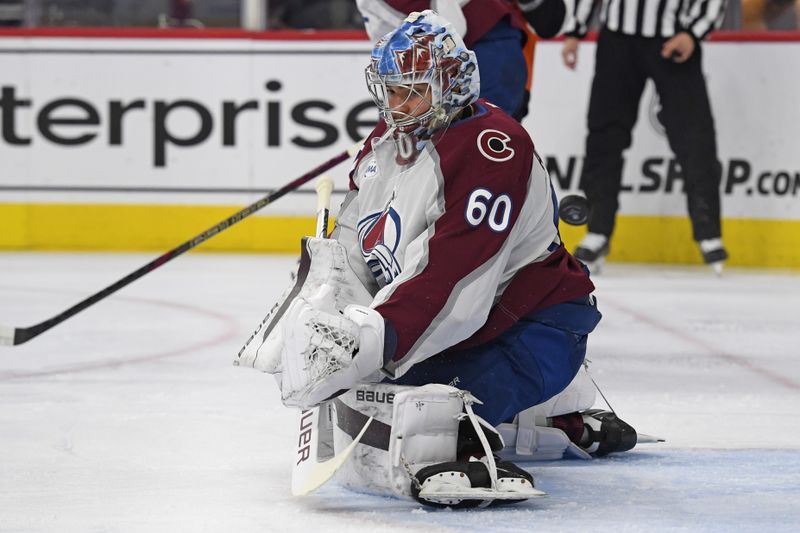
{"points": [[421, 75]]}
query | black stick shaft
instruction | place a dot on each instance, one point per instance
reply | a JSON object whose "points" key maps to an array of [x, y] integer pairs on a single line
{"points": [[22, 335]]}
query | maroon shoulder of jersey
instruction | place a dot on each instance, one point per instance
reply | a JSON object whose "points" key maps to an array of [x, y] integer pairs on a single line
{"points": [[489, 149]]}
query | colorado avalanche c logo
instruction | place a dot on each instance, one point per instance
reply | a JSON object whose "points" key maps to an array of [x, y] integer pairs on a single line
{"points": [[493, 144], [379, 237]]}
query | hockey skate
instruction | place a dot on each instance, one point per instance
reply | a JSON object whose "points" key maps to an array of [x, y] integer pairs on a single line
{"points": [[714, 254], [598, 432], [566, 426], [592, 251]]}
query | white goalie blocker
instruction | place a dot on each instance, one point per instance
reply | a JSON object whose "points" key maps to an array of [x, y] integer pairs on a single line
{"points": [[323, 262]]}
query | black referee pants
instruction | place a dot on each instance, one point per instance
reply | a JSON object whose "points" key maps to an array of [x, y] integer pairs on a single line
{"points": [[623, 65]]}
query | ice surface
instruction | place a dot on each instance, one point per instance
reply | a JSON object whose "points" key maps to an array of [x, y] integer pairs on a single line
{"points": [[130, 416]]}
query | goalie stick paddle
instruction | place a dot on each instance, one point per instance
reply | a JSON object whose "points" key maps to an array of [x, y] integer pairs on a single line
{"points": [[309, 473], [12, 336]]}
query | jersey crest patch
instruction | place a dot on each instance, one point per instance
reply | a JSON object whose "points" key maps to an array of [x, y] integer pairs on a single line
{"points": [[379, 236], [493, 145]]}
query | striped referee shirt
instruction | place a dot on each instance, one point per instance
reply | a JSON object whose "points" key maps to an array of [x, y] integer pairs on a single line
{"points": [[649, 18]]}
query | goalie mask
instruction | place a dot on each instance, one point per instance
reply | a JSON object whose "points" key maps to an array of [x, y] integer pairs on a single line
{"points": [[421, 75]]}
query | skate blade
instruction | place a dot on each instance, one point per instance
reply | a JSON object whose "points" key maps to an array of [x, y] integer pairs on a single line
{"points": [[641, 438]]}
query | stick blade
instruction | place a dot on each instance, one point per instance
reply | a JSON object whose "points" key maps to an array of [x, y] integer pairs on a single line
{"points": [[309, 475], [7, 335]]}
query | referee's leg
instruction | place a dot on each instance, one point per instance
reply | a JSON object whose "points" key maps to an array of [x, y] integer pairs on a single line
{"points": [[686, 115], [613, 106]]}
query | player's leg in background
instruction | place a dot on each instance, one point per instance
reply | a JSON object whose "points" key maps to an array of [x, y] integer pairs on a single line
{"points": [[613, 106], [528, 364], [502, 65], [687, 118]]}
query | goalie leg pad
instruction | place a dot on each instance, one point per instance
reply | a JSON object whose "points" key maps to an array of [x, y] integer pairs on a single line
{"points": [[530, 438], [414, 437], [580, 394], [565, 426], [413, 427]]}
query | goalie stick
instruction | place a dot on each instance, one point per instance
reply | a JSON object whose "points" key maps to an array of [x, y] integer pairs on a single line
{"points": [[13, 336], [309, 473]]}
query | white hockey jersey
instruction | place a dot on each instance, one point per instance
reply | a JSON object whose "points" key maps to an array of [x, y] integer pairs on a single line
{"points": [[459, 245]]}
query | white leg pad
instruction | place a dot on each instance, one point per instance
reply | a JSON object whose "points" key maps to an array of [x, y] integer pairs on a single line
{"points": [[413, 427], [579, 395], [529, 438]]}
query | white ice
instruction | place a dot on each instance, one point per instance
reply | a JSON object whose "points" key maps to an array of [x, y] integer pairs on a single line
{"points": [[130, 417]]}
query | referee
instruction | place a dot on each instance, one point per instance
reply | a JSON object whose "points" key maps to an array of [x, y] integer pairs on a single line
{"points": [[659, 40]]}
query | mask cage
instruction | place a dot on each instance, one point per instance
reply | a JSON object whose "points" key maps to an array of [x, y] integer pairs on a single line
{"points": [[378, 86]]}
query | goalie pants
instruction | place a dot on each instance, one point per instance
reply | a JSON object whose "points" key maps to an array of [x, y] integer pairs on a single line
{"points": [[623, 64], [527, 365]]}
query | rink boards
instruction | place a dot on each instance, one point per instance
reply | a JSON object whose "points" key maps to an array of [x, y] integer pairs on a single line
{"points": [[139, 140]]}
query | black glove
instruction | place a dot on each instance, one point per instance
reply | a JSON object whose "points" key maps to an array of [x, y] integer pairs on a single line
{"points": [[546, 16]]}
